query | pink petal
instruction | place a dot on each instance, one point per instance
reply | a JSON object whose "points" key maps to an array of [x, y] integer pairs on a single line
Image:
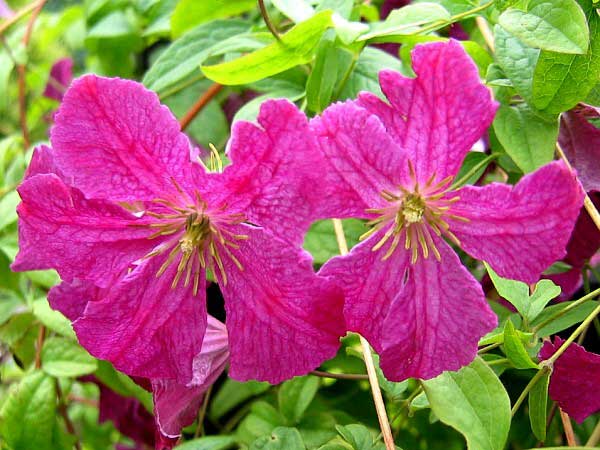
{"points": [[535, 218], [274, 170], [435, 322], [282, 319], [144, 327], [116, 141], [60, 78], [359, 160], [574, 379], [42, 162], [580, 141], [369, 285], [444, 110], [176, 405], [80, 238], [72, 298]]}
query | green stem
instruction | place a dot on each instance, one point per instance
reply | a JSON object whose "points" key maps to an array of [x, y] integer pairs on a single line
{"points": [[442, 23], [543, 371], [562, 312], [488, 348], [495, 362], [483, 163], [582, 326]]}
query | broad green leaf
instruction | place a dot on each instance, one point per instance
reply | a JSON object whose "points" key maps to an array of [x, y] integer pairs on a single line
{"points": [[593, 97], [28, 415], [52, 319], [114, 25], [545, 290], [9, 302], [295, 395], [232, 393], [474, 402], [565, 321], [517, 60], [320, 240], [65, 358], [250, 110], [297, 46], [560, 81], [331, 64], [182, 58], [393, 389], [297, 10], [515, 350], [473, 160], [189, 13], [342, 7], [15, 328], [357, 435], [516, 292], [528, 139], [538, 403], [208, 443], [8, 205], [406, 20], [555, 25], [335, 444], [122, 384], [261, 420], [282, 438]]}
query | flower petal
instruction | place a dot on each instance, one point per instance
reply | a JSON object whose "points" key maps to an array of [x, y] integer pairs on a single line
{"points": [[176, 405], [445, 109], [359, 160], [60, 78], [580, 140], [282, 319], [144, 326], [71, 298], [535, 218], [574, 379], [42, 162], [116, 141], [80, 238], [435, 323], [369, 283], [273, 171]]}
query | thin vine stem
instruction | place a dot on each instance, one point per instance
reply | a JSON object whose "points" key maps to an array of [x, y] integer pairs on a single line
{"points": [[19, 15], [565, 310], [543, 371], [339, 376], [456, 18]]}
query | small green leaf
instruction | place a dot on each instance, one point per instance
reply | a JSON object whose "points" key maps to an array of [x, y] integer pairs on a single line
{"points": [[208, 443], [189, 13], [565, 321], [52, 319], [295, 395], [282, 438], [474, 402], [65, 358], [320, 240], [357, 435], [516, 292], [528, 139], [555, 25], [545, 290], [122, 384], [297, 46], [232, 393], [515, 350], [27, 416], [538, 403], [297, 10]]}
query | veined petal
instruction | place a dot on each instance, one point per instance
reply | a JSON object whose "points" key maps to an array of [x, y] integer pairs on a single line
{"points": [[60, 229], [60, 77], [369, 284], [443, 111], [144, 326], [71, 298], [359, 160], [436, 321], [574, 379], [519, 231], [282, 319], [116, 141], [42, 162]]}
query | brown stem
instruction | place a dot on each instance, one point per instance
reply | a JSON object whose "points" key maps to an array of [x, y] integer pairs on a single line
{"points": [[339, 376], [38, 346], [568, 426], [62, 409], [199, 105], [267, 19]]}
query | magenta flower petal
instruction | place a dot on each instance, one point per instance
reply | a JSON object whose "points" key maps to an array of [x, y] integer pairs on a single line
{"points": [[580, 140], [144, 327], [42, 162], [59, 80], [116, 141], [59, 228], [72, 298], [535, 218], [371, 161], [176, 405], [436, 322], [282, 319], [574, 379]]}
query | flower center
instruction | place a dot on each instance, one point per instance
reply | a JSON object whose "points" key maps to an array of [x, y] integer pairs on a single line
{"points": [[413, 208]]}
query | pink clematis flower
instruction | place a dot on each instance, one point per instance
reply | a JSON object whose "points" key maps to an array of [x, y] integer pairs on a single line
{"points": [[119, 202], [574, 379], [395, 164]]}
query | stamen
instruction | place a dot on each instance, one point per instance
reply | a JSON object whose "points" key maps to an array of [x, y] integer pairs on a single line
{"points": [[393, 246], [169, 260], [383, 240], [422, 241]]}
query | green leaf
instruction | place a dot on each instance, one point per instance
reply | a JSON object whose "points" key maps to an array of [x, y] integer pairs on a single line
{"points": [[515, 350], [9, 302], [555, 25], [528, 139], [320, 240], [297, 46], [545, 290], [357, 435], [331, 63], [297, 10], [516, 292], [122, 384], [569, 319], [538, 404], [473, 160], [16, 328], [232, 393], [406, 20], [282, 438], [517, 60], [182, 58], [208, 443], [295, 395], [27, 417], [52, 319], [474, 402], [393, 389], [65, 358], [8, 206], [189, 13], [560, 81]]}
